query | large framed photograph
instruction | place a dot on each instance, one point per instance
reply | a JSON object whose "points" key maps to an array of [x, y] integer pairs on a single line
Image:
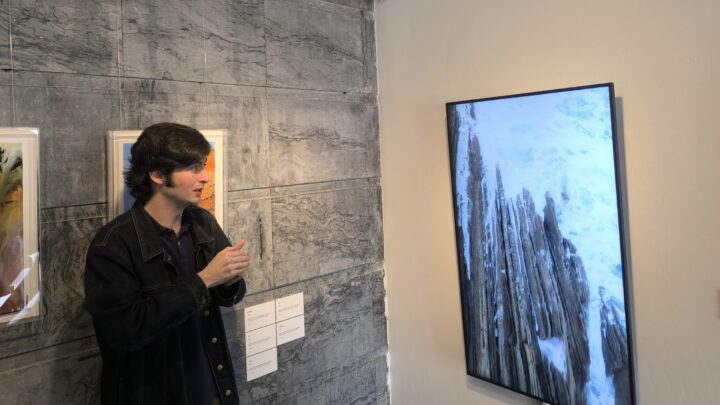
{"points": [[540, 244], [19, 253], [119, 198]]}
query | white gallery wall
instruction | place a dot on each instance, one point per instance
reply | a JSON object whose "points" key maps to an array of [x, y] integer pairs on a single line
{"points": [[664, 59]]}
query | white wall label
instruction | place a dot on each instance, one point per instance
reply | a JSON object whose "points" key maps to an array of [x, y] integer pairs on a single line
{"points": [[290, 329], [259, 340], [289, 307], [261, 364], [260, 315]]}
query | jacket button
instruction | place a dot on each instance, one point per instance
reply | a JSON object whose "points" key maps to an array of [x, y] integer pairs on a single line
{"points": [[206, 312], [220, 367], [213, 340], [227, 393]]}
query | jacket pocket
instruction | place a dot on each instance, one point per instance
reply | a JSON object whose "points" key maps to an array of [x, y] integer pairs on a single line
{"points": [[156, 288]]}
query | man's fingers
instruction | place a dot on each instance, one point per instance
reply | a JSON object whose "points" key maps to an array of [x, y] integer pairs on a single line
{"points": [[234, 248], [238, 256], [232, 254]]}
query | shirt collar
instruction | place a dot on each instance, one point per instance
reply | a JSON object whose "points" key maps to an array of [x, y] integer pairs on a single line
{"points": [[147, 233], [162, 230]]}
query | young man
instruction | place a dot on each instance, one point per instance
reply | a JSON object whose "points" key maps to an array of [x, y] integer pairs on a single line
{"points": [[154, 279]]}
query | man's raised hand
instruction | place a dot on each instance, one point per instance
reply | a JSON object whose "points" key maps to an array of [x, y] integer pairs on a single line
{"points": [[227, 267]]}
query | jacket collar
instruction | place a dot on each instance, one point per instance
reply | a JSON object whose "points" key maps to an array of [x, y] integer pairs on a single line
{"points": [[150, 244]]}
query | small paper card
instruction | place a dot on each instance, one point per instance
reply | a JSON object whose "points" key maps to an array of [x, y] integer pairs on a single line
{"points": [[259, 340], [261, 364], [290, 329], [260, 315], [289, 307]]}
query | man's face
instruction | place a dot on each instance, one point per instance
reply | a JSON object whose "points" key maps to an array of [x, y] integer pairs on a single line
{"points": [[185, 186]]}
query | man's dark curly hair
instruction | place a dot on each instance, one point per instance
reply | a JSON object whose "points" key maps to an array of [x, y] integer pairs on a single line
{"points": [[163, 147]]}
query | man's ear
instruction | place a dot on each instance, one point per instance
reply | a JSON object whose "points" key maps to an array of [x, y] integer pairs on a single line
{"points": [[157, 178]]}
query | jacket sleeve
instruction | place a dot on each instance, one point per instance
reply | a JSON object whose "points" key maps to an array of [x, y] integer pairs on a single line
{"points": [[228, 296], [225, 296], [126, 316]]}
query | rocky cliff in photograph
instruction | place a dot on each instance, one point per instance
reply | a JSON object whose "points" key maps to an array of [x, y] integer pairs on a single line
{"points": [[525, 295]]}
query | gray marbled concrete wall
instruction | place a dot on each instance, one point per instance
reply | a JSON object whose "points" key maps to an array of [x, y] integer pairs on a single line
{"points": [[294, 82]]}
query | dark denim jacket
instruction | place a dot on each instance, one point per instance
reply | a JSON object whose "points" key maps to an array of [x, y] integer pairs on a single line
{"points": [[137, 299]]}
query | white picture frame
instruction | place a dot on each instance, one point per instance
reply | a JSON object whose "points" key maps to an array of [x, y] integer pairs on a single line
{"points": [[118, 152], [19, 246]]}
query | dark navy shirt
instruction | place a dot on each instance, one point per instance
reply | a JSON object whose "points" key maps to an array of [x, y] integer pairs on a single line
{"points": [[199, 381]]}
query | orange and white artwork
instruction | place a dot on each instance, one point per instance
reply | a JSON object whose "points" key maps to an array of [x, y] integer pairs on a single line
{"points": [[11, 227], [18, 224], [207, 199]]}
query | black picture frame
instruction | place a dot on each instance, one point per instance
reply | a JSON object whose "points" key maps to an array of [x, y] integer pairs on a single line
{"points": [[542, 265]]}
